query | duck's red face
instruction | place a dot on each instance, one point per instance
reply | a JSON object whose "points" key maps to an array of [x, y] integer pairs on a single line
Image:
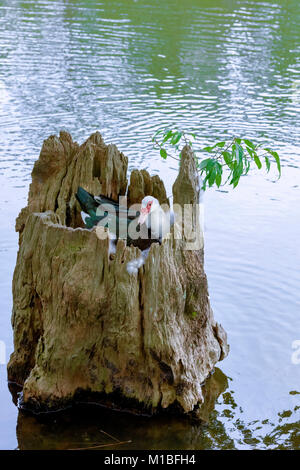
{"points": [[148, 207], [145, 211]]}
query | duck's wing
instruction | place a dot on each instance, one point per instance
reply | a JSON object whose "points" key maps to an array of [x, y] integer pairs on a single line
{"points": [[84, 216], [105, 211], [110, 205], [86, 201], [106, 200]]}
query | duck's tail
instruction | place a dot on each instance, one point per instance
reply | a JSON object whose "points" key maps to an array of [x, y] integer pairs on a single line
{"points": [[88, 206], [86, 201]]}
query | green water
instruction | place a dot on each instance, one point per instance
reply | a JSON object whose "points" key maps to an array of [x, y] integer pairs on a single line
{"points": [[125, 68]]}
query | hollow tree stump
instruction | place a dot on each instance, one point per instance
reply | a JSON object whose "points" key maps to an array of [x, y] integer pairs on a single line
{"points": [[83, 327]]}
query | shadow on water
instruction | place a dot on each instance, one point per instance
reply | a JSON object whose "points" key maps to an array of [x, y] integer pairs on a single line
{"points": [[220, 427], [82, 426]]}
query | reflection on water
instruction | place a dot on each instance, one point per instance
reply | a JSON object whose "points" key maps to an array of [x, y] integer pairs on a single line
{"points": [[88, 427], [83, 429], [84, 425], [219, 69]]}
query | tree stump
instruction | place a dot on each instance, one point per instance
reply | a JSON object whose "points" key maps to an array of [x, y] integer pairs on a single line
{"points": [[83, 327]]}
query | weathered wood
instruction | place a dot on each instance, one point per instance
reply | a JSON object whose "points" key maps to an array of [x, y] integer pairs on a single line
{"points": [[82, 325]]}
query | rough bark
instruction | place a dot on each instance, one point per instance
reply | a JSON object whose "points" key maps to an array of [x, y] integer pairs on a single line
{"points": [[84, 327]]}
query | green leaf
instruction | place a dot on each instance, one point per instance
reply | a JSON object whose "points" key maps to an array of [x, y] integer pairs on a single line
{"points": [[268, 164], [276, 156], [234, 181], [233, 152], [176, 137], [207, 149], [156, 134], [227, 158], [240, 153], [218, 179], [211, 148], [250, 151], [277, 159], [235, 178], [204, 163], [167, 136], [236, 174], [247, 166], [212, 177], [163, 153], [249, 143], [218, 167], [257, 161], [204, 183]]}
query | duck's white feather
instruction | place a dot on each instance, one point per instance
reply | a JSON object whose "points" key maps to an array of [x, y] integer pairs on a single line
{"points": [[134, 265], [158, 221], [84, 215]]}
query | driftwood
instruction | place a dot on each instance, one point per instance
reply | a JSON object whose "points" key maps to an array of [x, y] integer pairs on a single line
{"points": [[83, 327]]}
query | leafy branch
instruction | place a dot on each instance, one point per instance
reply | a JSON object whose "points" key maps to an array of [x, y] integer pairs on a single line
{"points": [[228, 161]]}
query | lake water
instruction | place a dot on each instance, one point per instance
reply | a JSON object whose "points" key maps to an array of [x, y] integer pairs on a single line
{"points": [[217, 68]]}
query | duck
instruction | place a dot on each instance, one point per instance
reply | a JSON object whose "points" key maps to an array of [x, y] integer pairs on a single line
{"points": [[149, 225]]}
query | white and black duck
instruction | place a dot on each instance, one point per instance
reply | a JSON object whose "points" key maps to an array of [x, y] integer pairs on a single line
{"points": [[152, 223]]}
